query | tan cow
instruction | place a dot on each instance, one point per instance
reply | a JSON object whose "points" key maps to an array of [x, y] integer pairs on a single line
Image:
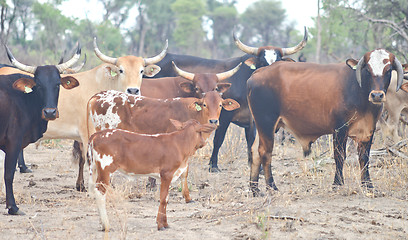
{"points": [[161, 155], [123, 74]]}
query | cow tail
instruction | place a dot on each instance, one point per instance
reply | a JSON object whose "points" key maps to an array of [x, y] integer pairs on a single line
{"points": [[93, 174], [76, 152]]}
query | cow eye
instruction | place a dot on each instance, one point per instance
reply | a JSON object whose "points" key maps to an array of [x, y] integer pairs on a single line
{"points": [[204, 105], [141, 71], [120, 71]]}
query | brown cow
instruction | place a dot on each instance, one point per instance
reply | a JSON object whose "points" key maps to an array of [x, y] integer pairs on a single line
{"points": [[312, 100], [161, 155], [113, 109], [186, 84]]}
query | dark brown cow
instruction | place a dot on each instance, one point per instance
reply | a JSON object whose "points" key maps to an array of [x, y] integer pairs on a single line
{"points": [[312, 100], [161, 155], [186, 84], [113, 109], [26, 105]]}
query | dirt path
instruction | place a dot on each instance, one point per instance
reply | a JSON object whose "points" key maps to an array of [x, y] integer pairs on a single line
{"points": [[223, 207]]}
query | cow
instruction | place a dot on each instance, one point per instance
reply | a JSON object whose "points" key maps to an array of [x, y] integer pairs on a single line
{"points": [[311, 100], [27, 104], [122, 73], [396, 102], [164, 156], [117, 110], [254, 58], [186, 84]]}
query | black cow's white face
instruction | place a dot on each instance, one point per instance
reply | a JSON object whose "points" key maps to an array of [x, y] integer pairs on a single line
{"points": [[268, 56]]}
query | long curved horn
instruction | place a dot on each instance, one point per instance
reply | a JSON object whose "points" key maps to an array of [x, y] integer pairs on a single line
{"points": [[63, 66], [159, 57], [400, 73], [358, 70], [228, 74], [297, 48], [17, 64], [243, 47], [102, 56], [184, 74], [80, 66]]}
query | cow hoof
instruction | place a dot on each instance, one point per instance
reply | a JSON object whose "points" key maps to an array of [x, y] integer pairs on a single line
{"points": [[190, 201], [25, 170], [80, 187], [367, 185], [214, 170], [12, 211]]}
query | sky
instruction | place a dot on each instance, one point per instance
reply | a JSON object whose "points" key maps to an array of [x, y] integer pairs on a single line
{"points": [[300, 11]]}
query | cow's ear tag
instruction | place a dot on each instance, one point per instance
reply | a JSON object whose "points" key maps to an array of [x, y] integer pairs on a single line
{"points": [[27, 89], [68, 82], [252, 67], [355, 67], [151, 69], [198, 107], [113, 73]]}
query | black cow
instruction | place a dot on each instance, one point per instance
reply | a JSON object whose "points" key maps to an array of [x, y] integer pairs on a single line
{"points": [[311, 100], [26, 105], [254, 59]]}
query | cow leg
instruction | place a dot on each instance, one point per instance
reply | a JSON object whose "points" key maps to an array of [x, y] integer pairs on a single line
{"points": [[339, 146], [225, 120], [164, 197], [185, 191], [363, 157], [78, 152], [10, 164], [21, 164], [250, 133]]}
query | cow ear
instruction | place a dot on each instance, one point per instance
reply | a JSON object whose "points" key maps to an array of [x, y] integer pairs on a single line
{"points": [[187, 87], [287, 59], [112, 70], [24, 85], [404, 87], [222, 87], [250, 62], [177, 124], [352, 63], [196, 104], [405, 67], [151, 70], [230, 104], [69, 82], [207, 128]]}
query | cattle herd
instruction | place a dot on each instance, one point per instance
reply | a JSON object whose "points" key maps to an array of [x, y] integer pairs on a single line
{"points": [[124, 120]]}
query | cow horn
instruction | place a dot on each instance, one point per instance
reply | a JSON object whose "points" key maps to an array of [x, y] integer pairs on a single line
{"points": [[181, 73], [159, 57], [17, 64], [243, 47], [64, 66], [228, 74], [400, 73], [102, 56], [80, 66], [297, 48], [358, 70]]}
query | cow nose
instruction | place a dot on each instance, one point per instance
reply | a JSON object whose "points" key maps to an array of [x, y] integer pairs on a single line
{"points": [[377, 96], [50, 113], [213, 121], [134, 91]]}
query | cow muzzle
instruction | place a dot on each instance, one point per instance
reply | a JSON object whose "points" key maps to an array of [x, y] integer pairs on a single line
{"points": [[50, 114], [377, 97], [214, 121], [134, 91]]}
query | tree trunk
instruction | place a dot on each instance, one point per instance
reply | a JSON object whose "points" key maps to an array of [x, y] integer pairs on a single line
{"points": [[319, 37]]}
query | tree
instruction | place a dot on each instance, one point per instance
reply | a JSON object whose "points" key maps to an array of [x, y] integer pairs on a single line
{"points": [[189, 34]]}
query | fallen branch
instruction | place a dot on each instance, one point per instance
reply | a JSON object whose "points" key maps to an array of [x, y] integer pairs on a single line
{"points": [[286, 218], [397, 153]]}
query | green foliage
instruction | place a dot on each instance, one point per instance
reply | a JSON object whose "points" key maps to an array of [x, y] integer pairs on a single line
{"points": [[189, 34]]}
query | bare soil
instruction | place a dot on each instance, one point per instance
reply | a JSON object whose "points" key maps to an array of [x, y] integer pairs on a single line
{"points": [[305, 207]]}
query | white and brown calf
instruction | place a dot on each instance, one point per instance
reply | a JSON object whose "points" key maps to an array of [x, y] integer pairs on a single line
{"points": [[161, 155]]}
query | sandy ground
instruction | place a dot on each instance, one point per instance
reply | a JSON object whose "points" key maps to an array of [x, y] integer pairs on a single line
{"points": [[305, 207]]}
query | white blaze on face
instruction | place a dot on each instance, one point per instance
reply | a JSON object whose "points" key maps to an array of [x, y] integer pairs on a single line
{"points": [[270, 56], [379, 59]]}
